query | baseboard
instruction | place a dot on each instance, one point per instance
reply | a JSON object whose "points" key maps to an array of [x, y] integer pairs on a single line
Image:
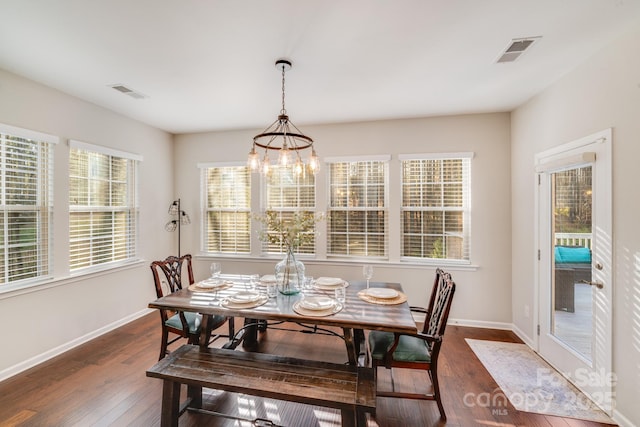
{"points": [[524, 337], [419, 318], [480, 324], [622, 420], [36, 360]]}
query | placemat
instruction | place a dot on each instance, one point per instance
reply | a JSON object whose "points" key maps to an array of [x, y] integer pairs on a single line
{"points": [[196, 288], [317, 313], [382, 301], [226, 303]]}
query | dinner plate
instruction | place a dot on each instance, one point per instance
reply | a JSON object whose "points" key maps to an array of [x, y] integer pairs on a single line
{"points": [[210, 283], [244, 305], [329, 281], [244, 297], [317, 303], [382, 292], [321, 287]]}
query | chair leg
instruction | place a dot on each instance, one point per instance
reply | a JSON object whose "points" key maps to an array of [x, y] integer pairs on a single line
{"points": [[436, 392]]}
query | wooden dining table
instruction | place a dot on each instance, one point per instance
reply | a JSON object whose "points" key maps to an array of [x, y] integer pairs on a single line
{"points": [[356, 315]]}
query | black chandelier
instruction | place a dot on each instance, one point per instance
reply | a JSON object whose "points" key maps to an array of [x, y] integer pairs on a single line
{"points": [[283, 136]]}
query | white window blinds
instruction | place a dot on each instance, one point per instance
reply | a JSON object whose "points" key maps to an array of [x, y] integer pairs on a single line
{"points": [[358, 212], [26, 204], [287, 192], [227, 209], [435, 206], [103, 205]]}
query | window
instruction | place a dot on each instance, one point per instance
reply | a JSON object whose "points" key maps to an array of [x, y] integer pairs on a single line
{"points": [[435, 206], [358, 213], [26, 204], [227, 212], [103, 205], [288, 192]]}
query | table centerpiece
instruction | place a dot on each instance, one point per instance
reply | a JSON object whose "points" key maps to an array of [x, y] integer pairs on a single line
{"points": [[290, 233]]}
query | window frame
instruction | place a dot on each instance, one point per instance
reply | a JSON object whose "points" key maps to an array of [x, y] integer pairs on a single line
{"points": [[309, 250], [204, 206], [132, 208], [465, 209], [394, 240], [43, 206], [385, 160]]}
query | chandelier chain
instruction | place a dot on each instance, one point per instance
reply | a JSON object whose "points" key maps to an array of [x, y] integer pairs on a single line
{"points": [[283, 111]]}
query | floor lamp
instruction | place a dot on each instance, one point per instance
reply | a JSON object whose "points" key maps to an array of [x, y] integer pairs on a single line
{"points": [[180, 218]]}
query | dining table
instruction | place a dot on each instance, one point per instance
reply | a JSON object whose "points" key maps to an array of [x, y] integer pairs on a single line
{"points": [[378, 306]]}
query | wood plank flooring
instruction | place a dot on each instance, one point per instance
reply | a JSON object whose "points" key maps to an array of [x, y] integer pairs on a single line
{"points": [[103, 383]]}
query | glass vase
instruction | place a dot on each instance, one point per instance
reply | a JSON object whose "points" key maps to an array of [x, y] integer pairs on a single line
{"points": [[289, 274]]}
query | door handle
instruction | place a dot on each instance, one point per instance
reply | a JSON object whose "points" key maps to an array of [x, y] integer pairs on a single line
{"points": [[598, 284]]}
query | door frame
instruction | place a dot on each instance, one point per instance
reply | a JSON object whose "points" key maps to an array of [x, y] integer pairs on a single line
{"points": [[598, 386]]}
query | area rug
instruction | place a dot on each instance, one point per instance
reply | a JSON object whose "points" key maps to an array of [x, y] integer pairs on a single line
{"points": [[530, 383]]}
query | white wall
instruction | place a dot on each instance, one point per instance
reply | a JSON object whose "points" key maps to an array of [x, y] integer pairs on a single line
{"points": [[39, 322], [604, 92], [484, 294]]}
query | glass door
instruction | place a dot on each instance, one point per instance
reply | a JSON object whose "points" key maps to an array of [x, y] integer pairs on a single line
{"points": [[574, 264], [571, 236]]}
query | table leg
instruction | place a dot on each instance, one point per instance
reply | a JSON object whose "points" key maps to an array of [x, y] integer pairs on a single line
{"points": [[352, 351], [170, 404], [250, 336], [205, 331]]}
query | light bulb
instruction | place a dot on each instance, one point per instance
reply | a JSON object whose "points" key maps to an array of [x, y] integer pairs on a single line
{"points": [[265, 165], [184, 218], [314, 161], [284, 158], [253, 161]]}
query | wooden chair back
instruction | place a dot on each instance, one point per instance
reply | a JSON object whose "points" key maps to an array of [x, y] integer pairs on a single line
{"points": [[439, 305], [169, 272]]}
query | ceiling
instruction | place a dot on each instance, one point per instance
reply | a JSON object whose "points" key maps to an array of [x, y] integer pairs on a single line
{"points": [[209, 64]]}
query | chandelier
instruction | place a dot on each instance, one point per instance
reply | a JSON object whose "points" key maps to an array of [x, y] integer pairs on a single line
{"points": [[282, 136]]}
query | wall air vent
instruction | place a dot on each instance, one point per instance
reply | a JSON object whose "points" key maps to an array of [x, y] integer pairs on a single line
{"points": [[516, 48], [132, 93]]}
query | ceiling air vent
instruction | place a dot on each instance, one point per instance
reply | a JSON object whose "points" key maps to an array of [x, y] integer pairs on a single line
{"points": [[132, 93], [516, 48]]}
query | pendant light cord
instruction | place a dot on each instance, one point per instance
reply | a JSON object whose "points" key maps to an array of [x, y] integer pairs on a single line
{"points": [[284, 110]]}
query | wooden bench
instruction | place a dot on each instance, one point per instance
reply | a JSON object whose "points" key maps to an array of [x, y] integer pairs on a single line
{"points": [[348, 388]]}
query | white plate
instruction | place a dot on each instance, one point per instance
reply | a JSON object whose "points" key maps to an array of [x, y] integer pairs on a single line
{"points": [[268, 278], [244, 297], [317, 303], [329, 281], [382, 293], [210, 283], [329, 287]]}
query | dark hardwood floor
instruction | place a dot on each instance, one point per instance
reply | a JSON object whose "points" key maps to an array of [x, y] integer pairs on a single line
{"points": [[103, 383]]}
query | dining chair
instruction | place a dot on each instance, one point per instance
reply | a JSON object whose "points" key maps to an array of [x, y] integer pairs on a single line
{"points": [[420, 350], [167, 276]]}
